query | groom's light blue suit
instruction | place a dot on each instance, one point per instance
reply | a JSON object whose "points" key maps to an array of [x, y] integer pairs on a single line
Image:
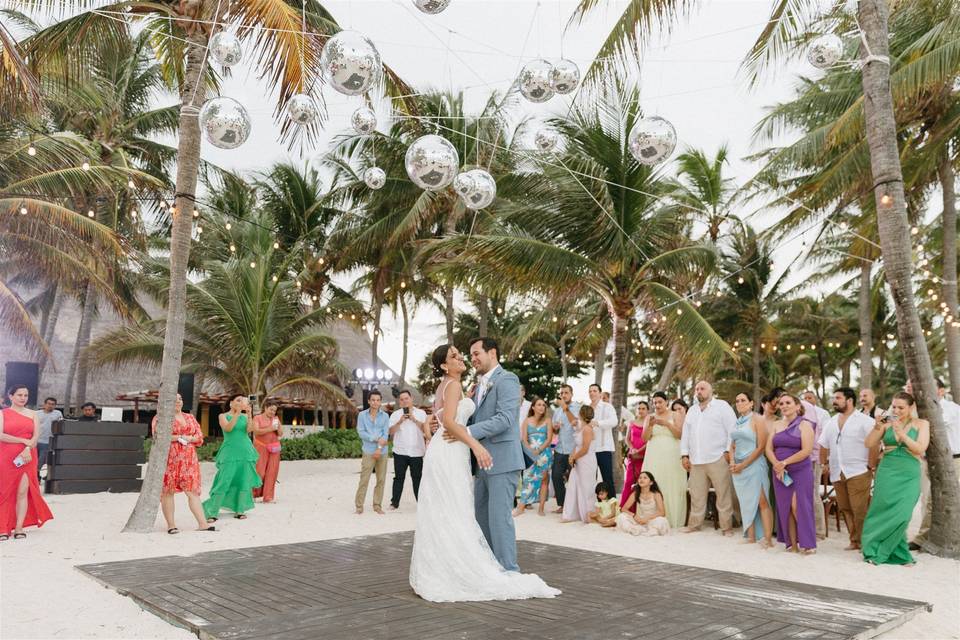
{"points": [[495, 425]]}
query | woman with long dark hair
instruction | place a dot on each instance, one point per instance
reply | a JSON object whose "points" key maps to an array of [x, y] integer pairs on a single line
{"points": [[788, 451], [648, 517], [183, 468], [748, 469], [636, 449], [21, 504], [662, 458], [536, 434]]}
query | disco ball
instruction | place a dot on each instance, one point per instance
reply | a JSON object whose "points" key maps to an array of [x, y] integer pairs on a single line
{"points": [[302, 109], [431, 6], [546, 140], [484, 191], [364, 121], [225, 49], [824, 51], [432, 162], [564, 77], [350, 63], [225, 123], [464, 184], [534, 81], [375, 177], [652, 140]]}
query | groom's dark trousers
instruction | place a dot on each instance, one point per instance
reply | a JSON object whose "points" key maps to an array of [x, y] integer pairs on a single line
{"points": [[561, 462]]}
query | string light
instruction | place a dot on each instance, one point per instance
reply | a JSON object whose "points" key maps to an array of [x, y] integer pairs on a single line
{"points": [[90, 213], [253, 265], [196, 214], [276, 278], [130, 184], [233, 248], [31, 150], [86, 166], [199, 229], [276, 245], [403, 284], [23, 210], [229, 226]]}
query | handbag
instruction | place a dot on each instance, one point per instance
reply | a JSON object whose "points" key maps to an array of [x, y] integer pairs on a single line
{"points": [[273, 447]]}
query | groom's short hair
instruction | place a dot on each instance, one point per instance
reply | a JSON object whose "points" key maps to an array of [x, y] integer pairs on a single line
{"points": [[487, 344]]}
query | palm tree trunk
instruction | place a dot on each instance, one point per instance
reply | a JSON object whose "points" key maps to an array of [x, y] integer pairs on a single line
{"points": [[669, 368], [881, 130], [50, 328], [483, 315], [598, 360], [406, 336], [823, 374], [563, 360], [377, 312], [89, 310], [192, 94], [619, 384], [755, 363], [865, 319], [950, 270], [83, 338], [845, 373]]}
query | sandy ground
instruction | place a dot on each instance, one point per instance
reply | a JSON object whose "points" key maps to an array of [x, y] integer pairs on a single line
{"points": [[43, 596]]}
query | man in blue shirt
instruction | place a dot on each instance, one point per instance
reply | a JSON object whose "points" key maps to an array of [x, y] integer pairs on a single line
{"points": [[564, 417], [373, 427]]}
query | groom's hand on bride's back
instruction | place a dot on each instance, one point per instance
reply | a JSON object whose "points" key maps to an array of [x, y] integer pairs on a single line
{"points": [[432, 423]]}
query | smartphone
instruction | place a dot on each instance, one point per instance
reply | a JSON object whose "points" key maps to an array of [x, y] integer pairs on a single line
{"points": [[18, 462], [887, 418], [252, 398], [787, 480], [406, 411]]}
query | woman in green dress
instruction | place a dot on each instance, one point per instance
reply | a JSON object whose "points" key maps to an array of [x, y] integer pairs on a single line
{"points": [[896, 488], [236, 465]]}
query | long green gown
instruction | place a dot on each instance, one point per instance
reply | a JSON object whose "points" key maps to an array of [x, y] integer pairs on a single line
{"points": [[896, 490], [236, 473]]}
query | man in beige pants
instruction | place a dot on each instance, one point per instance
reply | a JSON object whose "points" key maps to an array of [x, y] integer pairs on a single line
{"points": [[704, 446], [373, 427]]}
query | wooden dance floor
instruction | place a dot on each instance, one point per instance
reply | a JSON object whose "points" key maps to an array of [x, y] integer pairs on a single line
{"points": [[356, 589]]}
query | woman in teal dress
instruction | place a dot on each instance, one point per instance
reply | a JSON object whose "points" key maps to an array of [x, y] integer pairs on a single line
{"points": [[896, 488], [236, 460], [536, 433], [749, 470]]}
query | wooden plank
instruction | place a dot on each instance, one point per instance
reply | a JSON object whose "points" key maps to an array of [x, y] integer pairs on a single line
{"points": [[101, 443], [94, 472], [117, 456], [97, 428], [92, 486]]}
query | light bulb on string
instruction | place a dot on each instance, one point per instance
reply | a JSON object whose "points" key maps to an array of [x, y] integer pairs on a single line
{"points": [[276, 278], [233, 248], [130, 184], [229, 226], [133, 214], [90, 213], [253, 265], [86, 166], [31, 150], [23, 210], [276, 245], [199, 229], [196, 214], [914, 231], [403, 284], [172, 209]]}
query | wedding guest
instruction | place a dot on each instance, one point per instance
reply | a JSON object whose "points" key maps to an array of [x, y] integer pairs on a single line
{"points": [[536, 434], [583, 470], [88, 412], [868, 403], [182, 474], [636, 448], [679, 407], [21, 504], [847, 461], [48, 415], [788, 451], [236, 464], [524, 405], [648, 516], [897, 486], [605, 509], [373, 427], [605, 396], [812, 408], [409, 432], [703, 452], [266, 440], [564, 421], [605, 424], [748, 468], [662, 458], [771, 417]]}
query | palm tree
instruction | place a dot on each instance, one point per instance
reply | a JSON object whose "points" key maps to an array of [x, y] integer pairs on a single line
{"points": [[703, 190]]}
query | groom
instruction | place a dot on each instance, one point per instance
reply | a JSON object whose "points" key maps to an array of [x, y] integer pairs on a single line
{"points": [[494, 424]]}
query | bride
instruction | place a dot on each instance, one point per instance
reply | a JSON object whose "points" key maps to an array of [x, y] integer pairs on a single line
{"points": [[451, 560]]}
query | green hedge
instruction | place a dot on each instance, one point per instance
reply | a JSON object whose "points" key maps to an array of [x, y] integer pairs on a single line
{"points": [[330, 443]]}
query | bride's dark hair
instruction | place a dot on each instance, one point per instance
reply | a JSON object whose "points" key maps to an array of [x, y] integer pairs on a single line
{"points": [[440, 357]]}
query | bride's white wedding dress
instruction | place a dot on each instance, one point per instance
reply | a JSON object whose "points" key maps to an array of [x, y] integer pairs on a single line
{"points": [[451, 561]]}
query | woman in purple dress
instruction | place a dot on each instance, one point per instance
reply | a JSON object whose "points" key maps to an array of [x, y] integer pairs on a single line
{"points": [[789, 454]]}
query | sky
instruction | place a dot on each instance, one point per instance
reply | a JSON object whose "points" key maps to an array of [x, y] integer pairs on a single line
{"points": [[690, 76]]}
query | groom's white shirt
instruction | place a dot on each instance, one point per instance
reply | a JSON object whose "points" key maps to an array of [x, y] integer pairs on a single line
{"points": [[482, 388]]}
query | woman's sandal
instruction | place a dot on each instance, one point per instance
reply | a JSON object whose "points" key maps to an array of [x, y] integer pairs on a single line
{"points": [[240, 516], [212, 519], [173, 530], [4, 537], [208, 529], [19, 536]]}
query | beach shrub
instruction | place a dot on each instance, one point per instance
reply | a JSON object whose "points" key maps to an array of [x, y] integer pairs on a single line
{"points": [[324, 445]]}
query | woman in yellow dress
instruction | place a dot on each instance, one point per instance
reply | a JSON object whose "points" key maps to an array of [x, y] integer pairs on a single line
{"points": [[662, 460]]}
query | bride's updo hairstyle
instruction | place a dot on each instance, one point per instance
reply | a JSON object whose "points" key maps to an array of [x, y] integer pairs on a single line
{"points": [[439, 358]]}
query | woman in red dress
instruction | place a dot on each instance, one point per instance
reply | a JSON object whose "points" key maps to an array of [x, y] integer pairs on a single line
{"points": [[266, 440], [21, 504], [183, 468]]}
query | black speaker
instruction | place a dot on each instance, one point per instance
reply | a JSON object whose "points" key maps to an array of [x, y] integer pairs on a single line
{"points": [[25, 373], [185, 389]]}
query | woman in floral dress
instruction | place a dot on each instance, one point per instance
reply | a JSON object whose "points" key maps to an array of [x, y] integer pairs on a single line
{"points": [[536, 434]]}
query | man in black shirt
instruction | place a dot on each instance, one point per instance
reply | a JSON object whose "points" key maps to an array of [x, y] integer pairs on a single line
{"points": [[88, 412]]}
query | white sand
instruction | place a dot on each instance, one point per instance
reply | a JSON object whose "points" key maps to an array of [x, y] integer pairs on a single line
{"points": [[43, 596]]}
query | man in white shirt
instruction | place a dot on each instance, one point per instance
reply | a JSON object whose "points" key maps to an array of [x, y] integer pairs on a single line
{"points": [[951, 422], [847, 460], [524, 404], [48, 415], [704, 447], [409, 444], [821, 418], [604, 424]]}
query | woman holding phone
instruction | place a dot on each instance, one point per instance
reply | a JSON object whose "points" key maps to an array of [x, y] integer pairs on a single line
{"points": [[183, 468], [236, 464], [788, 451], [21, 504], [266, 440]]}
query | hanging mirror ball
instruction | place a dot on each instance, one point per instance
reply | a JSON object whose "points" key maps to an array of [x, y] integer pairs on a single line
{"points": [[225, 49], [225, 123], [534, 81], [546, 140], [431, 6], [302, 109], [463, 184], [364, 121], [652, 140], [432, 162], [484, 191], [825, 51], [350, 63], [375, 177], [565, 77]]}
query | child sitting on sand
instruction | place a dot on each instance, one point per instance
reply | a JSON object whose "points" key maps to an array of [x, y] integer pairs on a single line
{"points": [[607, 508]]}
